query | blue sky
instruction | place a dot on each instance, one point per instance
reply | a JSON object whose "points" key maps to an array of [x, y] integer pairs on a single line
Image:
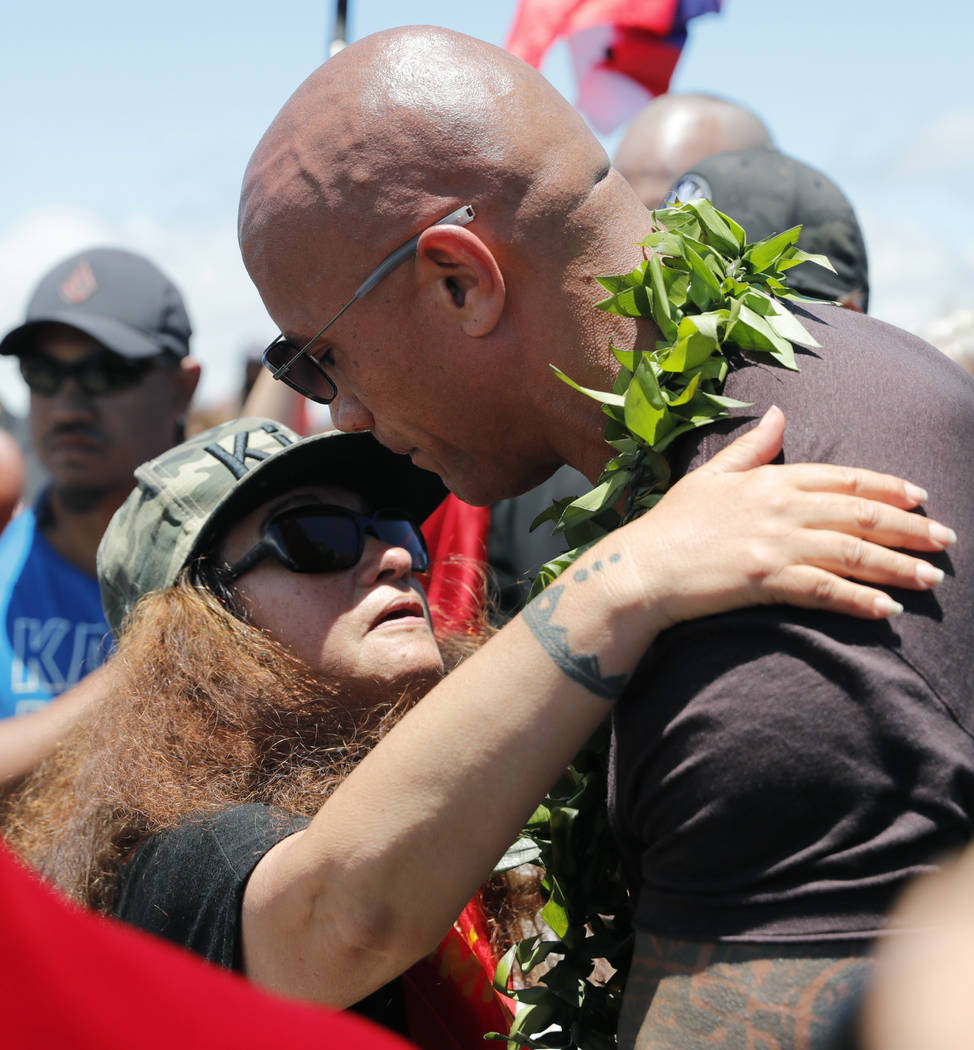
{"points": [[131, 124]]}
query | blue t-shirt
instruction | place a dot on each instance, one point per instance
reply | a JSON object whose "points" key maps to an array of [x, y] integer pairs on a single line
{"points": [[53, 628]]}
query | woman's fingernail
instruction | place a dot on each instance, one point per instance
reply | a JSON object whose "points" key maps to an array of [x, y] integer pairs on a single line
{"points": [[941, 534], [885, 606], [772, 411], [916, 493], [929, 575]]}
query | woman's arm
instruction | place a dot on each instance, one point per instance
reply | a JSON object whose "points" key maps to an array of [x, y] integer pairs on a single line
{"points": [[27, 739], [373, 883]]}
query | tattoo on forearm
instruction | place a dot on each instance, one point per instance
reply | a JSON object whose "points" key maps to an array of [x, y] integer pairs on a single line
{"points": [[580, 667]]}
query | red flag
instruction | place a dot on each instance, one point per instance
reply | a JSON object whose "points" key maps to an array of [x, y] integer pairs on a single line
{"points": [[539, 23], [623, 51]]}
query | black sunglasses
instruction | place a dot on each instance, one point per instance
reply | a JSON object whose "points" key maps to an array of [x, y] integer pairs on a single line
{"points": [[326, 538], [101, 373]]}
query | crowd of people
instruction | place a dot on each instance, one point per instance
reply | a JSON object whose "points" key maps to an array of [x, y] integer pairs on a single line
{"points": [[233, 718]]}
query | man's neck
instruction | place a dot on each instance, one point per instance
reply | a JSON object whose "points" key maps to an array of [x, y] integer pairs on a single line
{"points": [[589, 452], [74, 521]]}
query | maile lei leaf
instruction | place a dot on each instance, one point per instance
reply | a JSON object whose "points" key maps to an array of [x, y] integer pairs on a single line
{"points": [[706, 289]]}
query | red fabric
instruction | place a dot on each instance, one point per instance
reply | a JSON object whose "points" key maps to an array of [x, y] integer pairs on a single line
{"points": [[472, 925], [539, 23], [450, 999], [643, 56], [623, 51], [71, 979], [456, 534]]}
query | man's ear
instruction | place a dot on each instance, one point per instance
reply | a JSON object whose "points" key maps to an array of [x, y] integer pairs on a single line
{"points": [[186, 378], [463, 276]]}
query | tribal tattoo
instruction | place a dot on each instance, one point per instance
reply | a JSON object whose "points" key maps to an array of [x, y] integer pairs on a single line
{"points": [[579, 667], [698, 996]]}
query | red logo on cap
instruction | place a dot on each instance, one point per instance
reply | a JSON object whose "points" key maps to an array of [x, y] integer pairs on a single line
{"points": [[80, 284]]}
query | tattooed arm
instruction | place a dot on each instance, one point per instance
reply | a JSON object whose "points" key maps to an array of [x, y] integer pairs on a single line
{"points": [[688, 995], [335, 911]]}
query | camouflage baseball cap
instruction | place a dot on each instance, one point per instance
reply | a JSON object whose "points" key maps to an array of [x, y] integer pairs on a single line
{"points": [[188, 494]]}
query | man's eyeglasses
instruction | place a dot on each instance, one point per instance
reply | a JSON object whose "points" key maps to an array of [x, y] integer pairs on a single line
{"points": [[101, 373], [295, 366], [326, 538]]}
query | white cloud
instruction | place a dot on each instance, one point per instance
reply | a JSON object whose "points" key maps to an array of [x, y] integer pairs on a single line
{"points": [[942, 149], [917, 274], [228, 317]]}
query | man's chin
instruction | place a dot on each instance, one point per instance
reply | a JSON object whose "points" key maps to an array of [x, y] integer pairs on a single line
{"points": [[479, 492], [472, 490], [476, 483]]}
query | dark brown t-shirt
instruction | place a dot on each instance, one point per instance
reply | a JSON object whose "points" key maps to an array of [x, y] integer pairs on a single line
{"points": [[779, 774]]}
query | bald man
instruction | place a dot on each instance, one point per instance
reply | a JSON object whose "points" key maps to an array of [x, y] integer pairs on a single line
{"points": [[777, 775], [671, 133]]}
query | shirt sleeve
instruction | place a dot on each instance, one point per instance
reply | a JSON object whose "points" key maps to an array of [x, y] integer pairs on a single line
{"points": [[187, 885]]}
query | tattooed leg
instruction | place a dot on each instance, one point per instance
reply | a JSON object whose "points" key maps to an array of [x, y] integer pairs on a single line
{"points": [[685, 995]]}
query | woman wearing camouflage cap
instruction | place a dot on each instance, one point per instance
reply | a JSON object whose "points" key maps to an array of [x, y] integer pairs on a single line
{"points": [[251, 789]]}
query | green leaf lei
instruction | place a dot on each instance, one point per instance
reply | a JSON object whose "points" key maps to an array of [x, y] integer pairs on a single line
{"points": [[705, 288]]}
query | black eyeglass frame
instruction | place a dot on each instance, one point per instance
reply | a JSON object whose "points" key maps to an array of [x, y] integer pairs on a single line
{"points": [[271, 543], [125, 372], [460, 217]]}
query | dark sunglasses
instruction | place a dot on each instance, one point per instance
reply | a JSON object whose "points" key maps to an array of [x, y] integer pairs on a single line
{"points": [[325, 538], [98, 374]]}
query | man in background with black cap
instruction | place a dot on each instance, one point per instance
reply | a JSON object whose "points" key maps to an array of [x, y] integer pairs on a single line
{"points": [[768, 192], [104, 350]]}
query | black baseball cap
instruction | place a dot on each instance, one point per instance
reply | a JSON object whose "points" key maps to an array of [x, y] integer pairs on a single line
{"points": [[768, 192], [118, 298]]}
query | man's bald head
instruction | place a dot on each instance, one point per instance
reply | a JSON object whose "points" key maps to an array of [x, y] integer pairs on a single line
{"points": [[450, 360], [399, 128], [673, 132]]}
